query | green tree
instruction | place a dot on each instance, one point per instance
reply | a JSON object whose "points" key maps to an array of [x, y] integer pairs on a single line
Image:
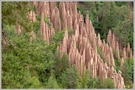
{"points": [[116, 16], [69, 78], [127, 72], [107, 83], [19, 56], [52, 83], [94, 82], [84, 79], [16, 12], [56, 39], [61, 63], [35, 83]]}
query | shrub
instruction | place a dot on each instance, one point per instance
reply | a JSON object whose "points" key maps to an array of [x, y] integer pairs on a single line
{"points": [[36, 26], [94, 82], [56, 39], [52, 83], [34, 83], [46, 20], [61, 63], [98, 83], [84, 79], [100, 53], [117, 63], [69, 78], [127, 72], [107, 83], [70, 32]]}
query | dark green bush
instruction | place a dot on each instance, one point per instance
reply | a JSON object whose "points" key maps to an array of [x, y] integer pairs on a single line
{"points": [[69, 78]]}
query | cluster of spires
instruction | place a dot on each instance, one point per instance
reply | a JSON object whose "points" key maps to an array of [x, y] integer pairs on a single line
{"points": [[83, 46]]}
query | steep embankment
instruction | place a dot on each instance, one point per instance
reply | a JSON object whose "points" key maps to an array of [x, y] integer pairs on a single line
{"points": [[83, 47]]}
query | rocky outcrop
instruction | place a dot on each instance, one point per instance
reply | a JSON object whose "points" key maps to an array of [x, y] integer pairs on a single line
{"points": [[84, 48], [32, 16], [46, 26], [120, 52], [56, 19]]}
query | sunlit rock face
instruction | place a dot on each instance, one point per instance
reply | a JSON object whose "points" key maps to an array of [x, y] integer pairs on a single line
{"points": [[84, 48]]}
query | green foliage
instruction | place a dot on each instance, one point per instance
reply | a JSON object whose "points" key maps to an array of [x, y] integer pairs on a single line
{"points": [[57, 4], [128, 72], [121, 33], [46, 20], [121, 53], [130, 38], [84, 79], [20, 56], [38, 17], [10, 31], [34, 83], [129, 84], [98, 83], [70, 32], [94, 82], [13, 12], [100, 53], [52, 83], [82, 11], [120, 3], [117, 63], [61, 64], [69, 78], [77, 46], [107, 83], [36, 26], [116, 16], [56, 38], [28, 64], [34, 8]]}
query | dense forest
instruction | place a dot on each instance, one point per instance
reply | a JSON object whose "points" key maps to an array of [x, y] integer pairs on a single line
{"points": [[37, 63], [117, 16]]}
